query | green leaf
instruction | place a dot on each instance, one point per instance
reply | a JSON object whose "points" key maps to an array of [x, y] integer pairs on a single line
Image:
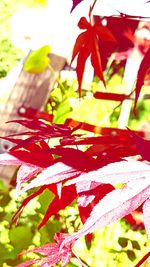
{"points": [[3, 187], [4, 252], [38, 60], [7, 252], [4, 200], [62, 112], [71, 264], [123, 242], [45, 199], [52, 227], [20, 237], [47, 232]]}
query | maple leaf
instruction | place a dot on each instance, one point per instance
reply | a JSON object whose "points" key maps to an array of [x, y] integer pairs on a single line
{"points": [[41, 130], [83, 179], [115, 173], [28, 154], [111, 207], [53, 253], [56, 173], [55, 205], [8, 159], [32, 160], [116, 205], [87, 44], [50, 178], [24, 174], [25, 202], [68, 194], [63, 249], [144, 66], [89, 195], [61, 169], [119, 202]]}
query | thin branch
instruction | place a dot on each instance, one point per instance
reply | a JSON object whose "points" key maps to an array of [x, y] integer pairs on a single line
{"points": [[91, 9], [143, 260]]}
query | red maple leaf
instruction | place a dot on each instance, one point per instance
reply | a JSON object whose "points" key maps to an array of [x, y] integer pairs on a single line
{"points": [[68, 194], [40, 130], [87, 44]]}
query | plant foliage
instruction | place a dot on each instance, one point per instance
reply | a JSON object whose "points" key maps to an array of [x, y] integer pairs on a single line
{"points": [[102, 179], [75, 174]]}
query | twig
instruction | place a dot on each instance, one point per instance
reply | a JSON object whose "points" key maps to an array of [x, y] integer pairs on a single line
{"points": [[143, 260], [57, 78], [91, 9]]}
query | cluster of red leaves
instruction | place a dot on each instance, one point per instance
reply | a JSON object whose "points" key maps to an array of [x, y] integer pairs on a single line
{"points": [[88, 45], [89, 177]]}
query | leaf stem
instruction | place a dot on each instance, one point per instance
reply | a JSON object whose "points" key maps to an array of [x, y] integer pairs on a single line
{"points": [[57, 78], [91, 9]]}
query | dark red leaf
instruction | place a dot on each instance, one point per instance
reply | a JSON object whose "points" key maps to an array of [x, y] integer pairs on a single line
{"points": [[75, 3], [82, 57], [130, 219], [83, 48], [41, 159], [104, 33], [87, 44], [143, 146], [75, 158], [34, 124], [144, 66], [96, 60], [111, 96], [41, 131], [40, 126], [80, 42], [83, 23], [68, 194]]}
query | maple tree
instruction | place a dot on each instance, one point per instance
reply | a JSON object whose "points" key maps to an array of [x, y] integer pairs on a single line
{"points": [[88, 177]]}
